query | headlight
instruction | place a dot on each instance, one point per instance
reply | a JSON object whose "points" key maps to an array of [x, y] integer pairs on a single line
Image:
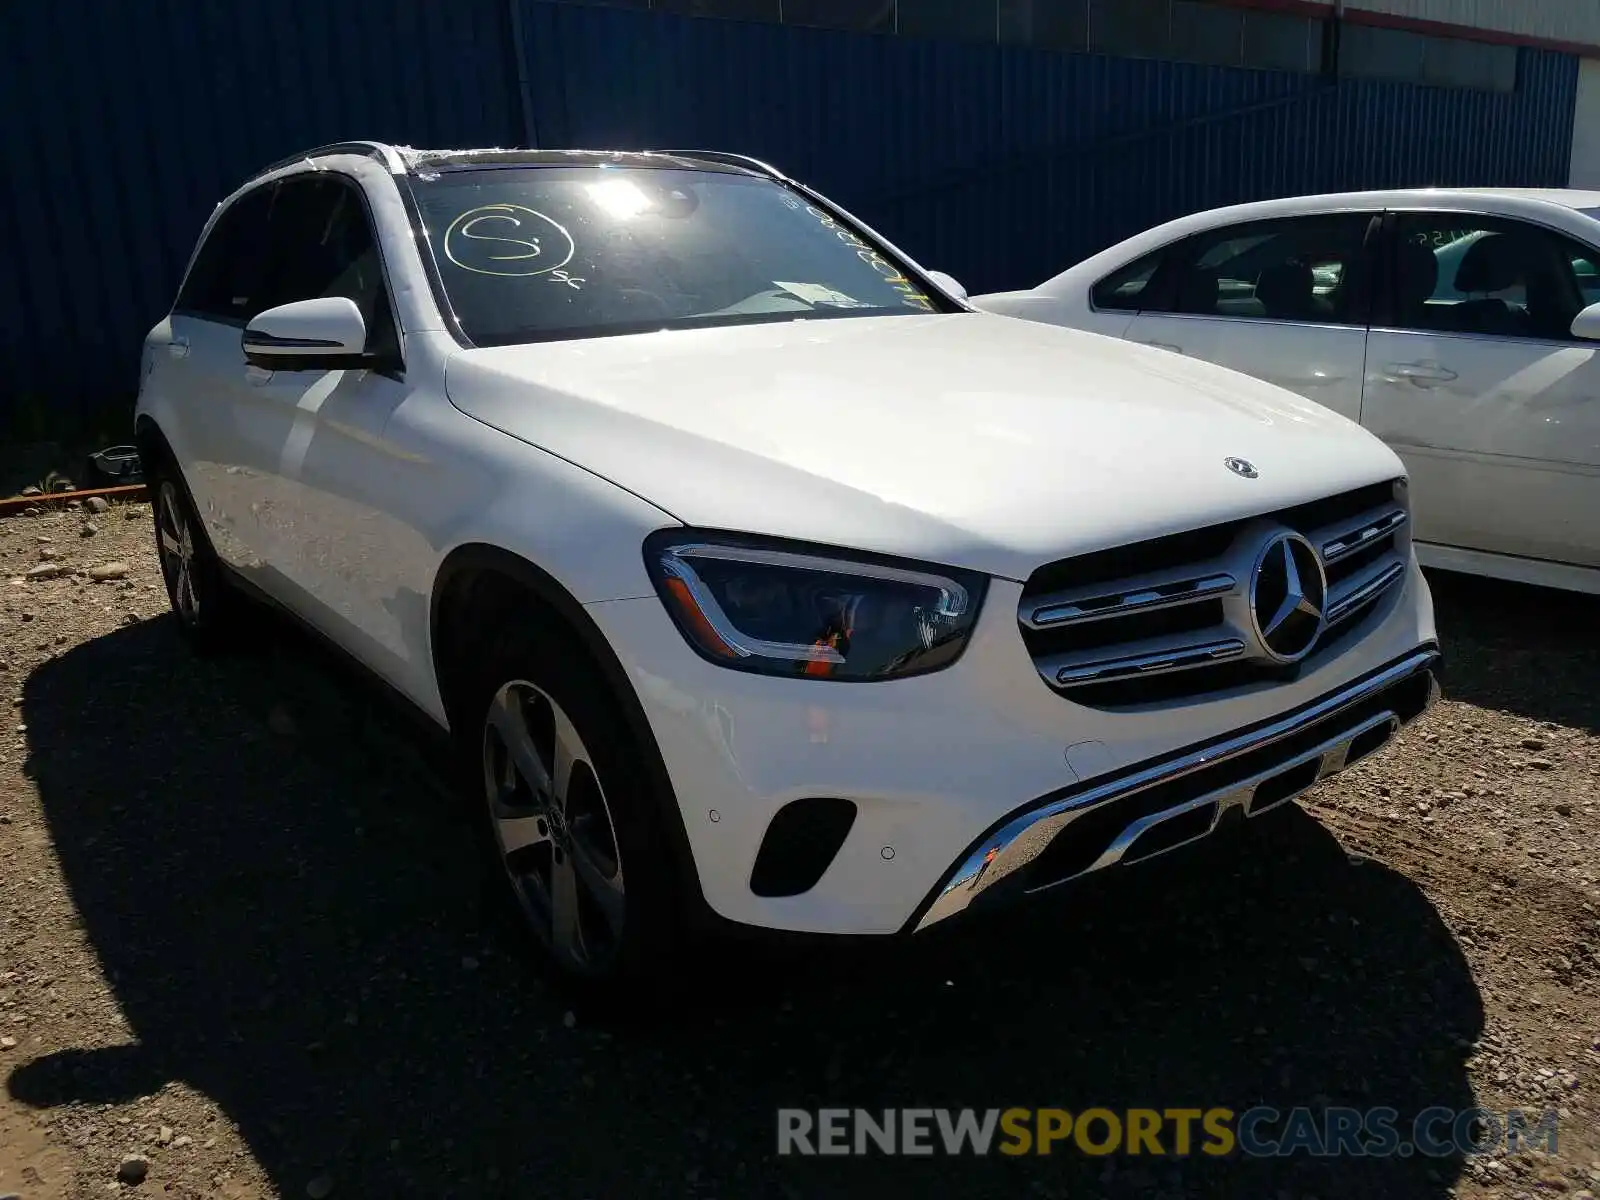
{"points": [[758, 607]]}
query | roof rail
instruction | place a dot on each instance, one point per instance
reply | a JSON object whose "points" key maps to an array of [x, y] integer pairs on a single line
{"points": [[737, 160], [380, 151]]}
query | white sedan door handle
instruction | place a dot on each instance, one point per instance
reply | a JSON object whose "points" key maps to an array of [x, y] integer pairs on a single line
{"points": [[1164, 346], [1423, 374], [178, 348]]}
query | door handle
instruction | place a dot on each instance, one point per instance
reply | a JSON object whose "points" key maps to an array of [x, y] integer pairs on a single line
{"points": [[178, 348], [1423, 374], [1163, 346]]}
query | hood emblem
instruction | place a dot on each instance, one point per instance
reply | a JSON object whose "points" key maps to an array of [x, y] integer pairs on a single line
{"points": [[1288, 597], [1242, 467]]}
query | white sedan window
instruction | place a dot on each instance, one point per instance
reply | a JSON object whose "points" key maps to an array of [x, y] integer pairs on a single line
{"points": [[1490, 276]]}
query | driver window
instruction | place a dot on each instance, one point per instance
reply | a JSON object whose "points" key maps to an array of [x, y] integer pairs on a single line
{"points": [[321, 244]]}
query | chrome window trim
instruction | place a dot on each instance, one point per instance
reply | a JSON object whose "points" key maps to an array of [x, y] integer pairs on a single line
{"points": [[1511, 339], [1172, 316]]}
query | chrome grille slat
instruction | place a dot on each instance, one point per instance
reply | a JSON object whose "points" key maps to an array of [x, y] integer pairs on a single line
{"points": [[1176, 658], [1194, 615], [1066, 608], [1360, 590], [1364, 532]]}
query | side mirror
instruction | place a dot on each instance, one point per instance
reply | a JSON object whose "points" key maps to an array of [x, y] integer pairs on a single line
{"points": [[326, 334], [1586, 324], [949, 284]]}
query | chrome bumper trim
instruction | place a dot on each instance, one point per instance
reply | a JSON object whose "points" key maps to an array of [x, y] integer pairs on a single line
{"points": [[1329, 757], [1020, 840]]}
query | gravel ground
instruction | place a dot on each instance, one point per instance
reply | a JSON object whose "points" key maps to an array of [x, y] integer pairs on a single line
{"points": [[244, 944]]}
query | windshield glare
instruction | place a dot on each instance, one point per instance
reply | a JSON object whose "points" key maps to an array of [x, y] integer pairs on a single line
{"points": [[538, 253]]}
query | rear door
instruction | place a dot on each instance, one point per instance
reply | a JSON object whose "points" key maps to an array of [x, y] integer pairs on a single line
{"points": [[1284, 300], [1473, 376]]}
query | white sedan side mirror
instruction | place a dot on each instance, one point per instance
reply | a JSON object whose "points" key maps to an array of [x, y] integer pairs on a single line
{"points": [[325, 334], [1586, 325], [948, 284]]}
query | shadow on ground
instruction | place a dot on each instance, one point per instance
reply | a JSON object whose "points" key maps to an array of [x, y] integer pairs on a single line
{"points": [[285, 919], [1525, 650]]}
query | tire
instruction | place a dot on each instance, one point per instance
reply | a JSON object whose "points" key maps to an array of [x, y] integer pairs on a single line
{"points": [[571, 819], [208, 610]]}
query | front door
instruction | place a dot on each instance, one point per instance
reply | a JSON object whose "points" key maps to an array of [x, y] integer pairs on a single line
{"points": [[322, 514], [1473, 376]]}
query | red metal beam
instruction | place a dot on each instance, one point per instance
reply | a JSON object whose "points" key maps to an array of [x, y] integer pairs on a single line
{"points": [[13, 505], [1382, 20]]}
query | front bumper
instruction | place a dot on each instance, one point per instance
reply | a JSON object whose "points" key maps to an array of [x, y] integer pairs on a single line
{"points": [[1148, 810], [943, 768]]}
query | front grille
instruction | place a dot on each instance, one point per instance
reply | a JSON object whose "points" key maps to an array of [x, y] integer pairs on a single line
{"points": [[1175, 618]]}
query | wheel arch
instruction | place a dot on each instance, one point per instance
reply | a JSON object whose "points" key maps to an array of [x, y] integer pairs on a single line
{"points": [[151, 441], [480, 574]]}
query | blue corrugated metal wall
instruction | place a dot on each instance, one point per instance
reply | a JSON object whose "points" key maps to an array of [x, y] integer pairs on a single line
{"points": [[121, 124], [1003, 164]]}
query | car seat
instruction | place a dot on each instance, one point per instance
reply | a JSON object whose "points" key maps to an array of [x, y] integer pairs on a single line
{"points": [[1416, 278], [1288, 291], [1496, 263]]}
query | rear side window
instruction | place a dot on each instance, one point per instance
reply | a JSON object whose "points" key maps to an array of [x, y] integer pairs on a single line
{"points": [[1291, 269], [1126, 289], [225, 282]]}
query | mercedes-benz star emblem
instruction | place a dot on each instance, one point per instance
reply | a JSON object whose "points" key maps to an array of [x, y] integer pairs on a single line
{"points": [[1242, 467], [1288, 593]]}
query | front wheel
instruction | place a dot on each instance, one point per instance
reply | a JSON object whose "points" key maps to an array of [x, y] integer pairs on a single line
{"points": [[574, 824]]}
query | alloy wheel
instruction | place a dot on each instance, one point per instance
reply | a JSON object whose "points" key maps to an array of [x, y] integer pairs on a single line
{"points": [[175, 546], [553, 827]]}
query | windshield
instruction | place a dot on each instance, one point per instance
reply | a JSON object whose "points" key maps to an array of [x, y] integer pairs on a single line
{"points": [[530, 254]]}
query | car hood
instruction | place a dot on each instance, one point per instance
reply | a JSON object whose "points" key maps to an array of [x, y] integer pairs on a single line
{"points": [[965, 438]]}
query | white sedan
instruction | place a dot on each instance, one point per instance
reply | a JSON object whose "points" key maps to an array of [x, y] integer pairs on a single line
{"points": [[1459, 326]]}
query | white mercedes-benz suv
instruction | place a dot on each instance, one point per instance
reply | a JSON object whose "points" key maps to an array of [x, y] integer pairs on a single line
{"points": [[760, 579]]}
